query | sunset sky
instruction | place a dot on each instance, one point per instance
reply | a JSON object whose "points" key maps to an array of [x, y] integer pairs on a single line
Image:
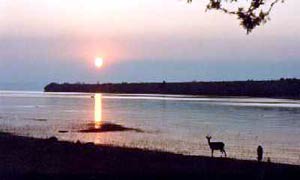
{"points": [[140, 40]]}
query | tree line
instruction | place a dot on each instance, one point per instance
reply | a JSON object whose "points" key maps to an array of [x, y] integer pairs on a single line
{"points": [[288, 88]]}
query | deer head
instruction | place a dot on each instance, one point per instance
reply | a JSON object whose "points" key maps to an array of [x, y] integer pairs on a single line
{"points": [[208, 137]]}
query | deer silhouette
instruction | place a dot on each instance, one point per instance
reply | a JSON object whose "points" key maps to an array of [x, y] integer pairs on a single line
{"points": [[216, 146]]}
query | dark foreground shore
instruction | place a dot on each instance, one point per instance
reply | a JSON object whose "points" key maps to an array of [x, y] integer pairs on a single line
{"points": [[29, 158]]}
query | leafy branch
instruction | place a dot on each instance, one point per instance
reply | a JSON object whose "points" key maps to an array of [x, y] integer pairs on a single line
{"points": [[256, 13]]}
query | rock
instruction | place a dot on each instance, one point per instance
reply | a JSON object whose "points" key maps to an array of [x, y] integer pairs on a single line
{"points": [[53, 139]]}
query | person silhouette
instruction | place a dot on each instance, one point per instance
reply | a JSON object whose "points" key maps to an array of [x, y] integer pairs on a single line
{"points": [[260, 153]]}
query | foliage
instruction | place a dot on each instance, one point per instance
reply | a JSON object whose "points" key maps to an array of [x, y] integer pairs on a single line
{"points": [[283, 88], [250, 13]]}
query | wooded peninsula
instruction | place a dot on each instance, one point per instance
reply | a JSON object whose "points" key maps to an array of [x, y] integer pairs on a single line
{"points": [[282, 88]]}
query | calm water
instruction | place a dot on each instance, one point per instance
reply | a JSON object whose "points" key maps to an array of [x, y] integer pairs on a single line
{"points": [[171, 123]]}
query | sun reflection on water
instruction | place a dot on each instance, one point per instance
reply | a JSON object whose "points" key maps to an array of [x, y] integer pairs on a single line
{"points": [[98, 110]]}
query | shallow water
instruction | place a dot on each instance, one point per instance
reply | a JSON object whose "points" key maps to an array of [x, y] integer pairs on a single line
{"points": [[171, 123]]}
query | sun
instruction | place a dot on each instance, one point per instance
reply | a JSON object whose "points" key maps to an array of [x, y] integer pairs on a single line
{"points": [[98, 62]]}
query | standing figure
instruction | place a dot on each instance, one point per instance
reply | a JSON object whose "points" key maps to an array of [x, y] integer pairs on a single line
{"points": [[216, 146], [260, 152]]}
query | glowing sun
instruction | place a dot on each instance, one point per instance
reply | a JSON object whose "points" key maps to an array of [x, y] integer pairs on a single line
{"points": [[98, 62]]}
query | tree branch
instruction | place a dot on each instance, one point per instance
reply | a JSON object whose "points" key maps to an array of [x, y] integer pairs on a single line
{"points": [[249, 17]]}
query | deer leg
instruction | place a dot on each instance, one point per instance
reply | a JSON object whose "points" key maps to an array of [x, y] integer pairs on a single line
{"points": [[225, 152], [212, 153]]}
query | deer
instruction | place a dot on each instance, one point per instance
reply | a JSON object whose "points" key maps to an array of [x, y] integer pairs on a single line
{"points": [[216, 146]]}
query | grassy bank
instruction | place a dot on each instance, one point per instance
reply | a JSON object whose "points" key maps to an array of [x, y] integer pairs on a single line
{"points": [[24, 157]]}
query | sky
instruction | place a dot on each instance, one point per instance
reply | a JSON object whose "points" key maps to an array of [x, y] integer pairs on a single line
{"points": [[140, 41]]}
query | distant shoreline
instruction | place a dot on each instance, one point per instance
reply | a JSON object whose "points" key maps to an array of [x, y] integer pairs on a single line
{"points": [[25, 157], [283, 88]]}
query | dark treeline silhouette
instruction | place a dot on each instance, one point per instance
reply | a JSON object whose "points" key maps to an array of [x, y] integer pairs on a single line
{"points": [[287, 88]]}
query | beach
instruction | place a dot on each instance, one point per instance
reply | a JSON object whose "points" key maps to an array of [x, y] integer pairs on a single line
{"points": [[25, 157]]}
